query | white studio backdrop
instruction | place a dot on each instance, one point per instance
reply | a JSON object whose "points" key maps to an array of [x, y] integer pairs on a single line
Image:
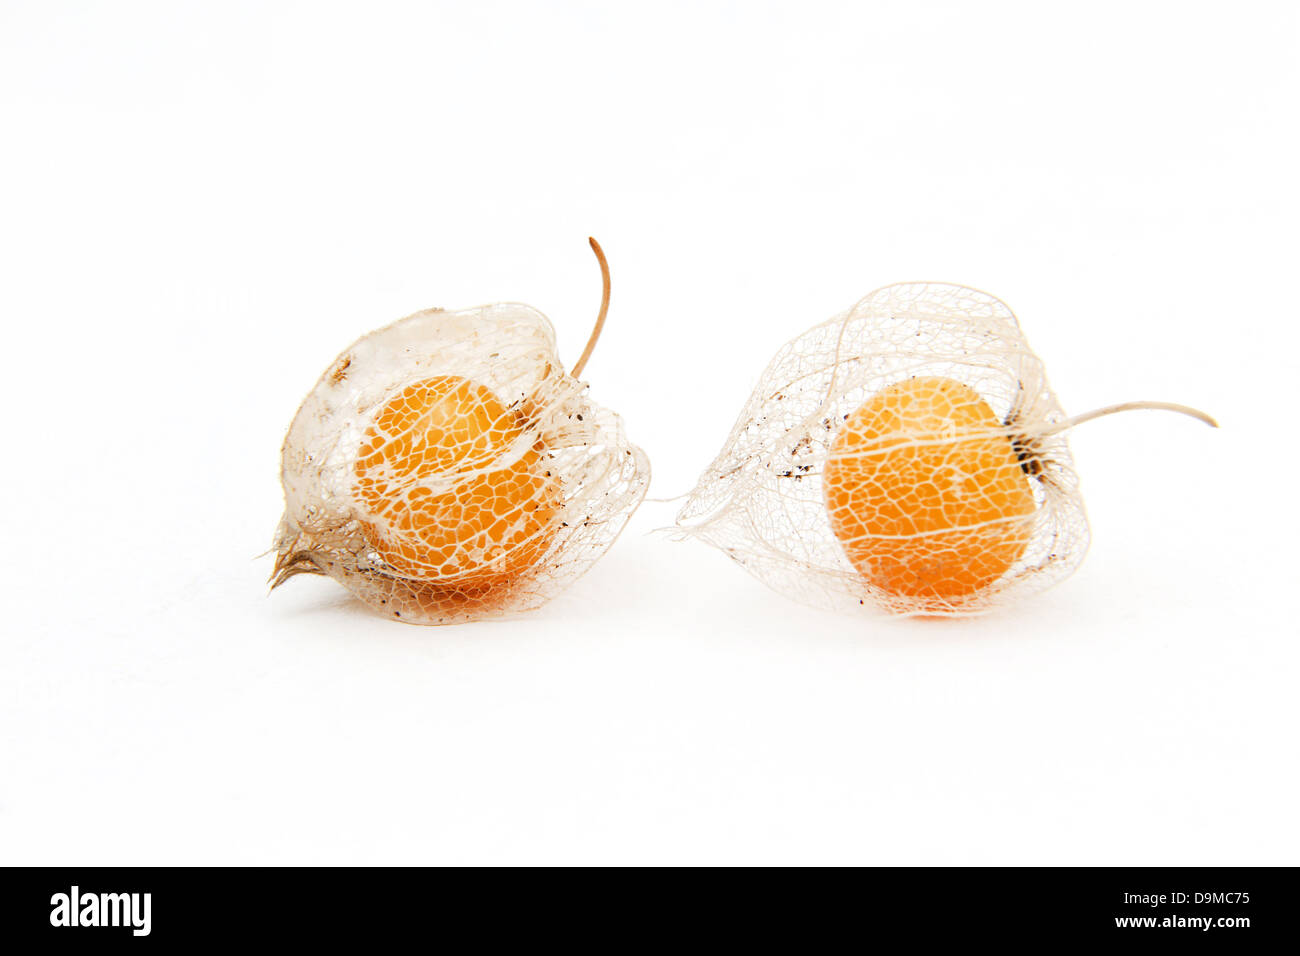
{"points": [[200, 205]]}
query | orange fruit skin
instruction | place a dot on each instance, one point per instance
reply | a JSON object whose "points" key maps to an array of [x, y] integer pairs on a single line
{"points": [[483, 531], [932, 523]]}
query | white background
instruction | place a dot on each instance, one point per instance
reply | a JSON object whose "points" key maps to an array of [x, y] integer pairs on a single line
{"points": [[202, 205]]}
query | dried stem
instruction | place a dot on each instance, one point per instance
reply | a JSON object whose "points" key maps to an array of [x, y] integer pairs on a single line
{"points": [[1124, 407], [604, 309]]}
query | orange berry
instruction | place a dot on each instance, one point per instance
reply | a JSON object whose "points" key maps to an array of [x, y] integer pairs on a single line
{"points": [[434, 516], [926, 493]]}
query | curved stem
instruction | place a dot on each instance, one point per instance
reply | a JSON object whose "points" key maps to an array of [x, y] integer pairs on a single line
{"points": [[1126, 407], [579, 365]]}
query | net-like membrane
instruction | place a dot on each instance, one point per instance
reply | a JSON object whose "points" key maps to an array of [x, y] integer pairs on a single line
{"points": [[446, 468], [902, 456]]}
